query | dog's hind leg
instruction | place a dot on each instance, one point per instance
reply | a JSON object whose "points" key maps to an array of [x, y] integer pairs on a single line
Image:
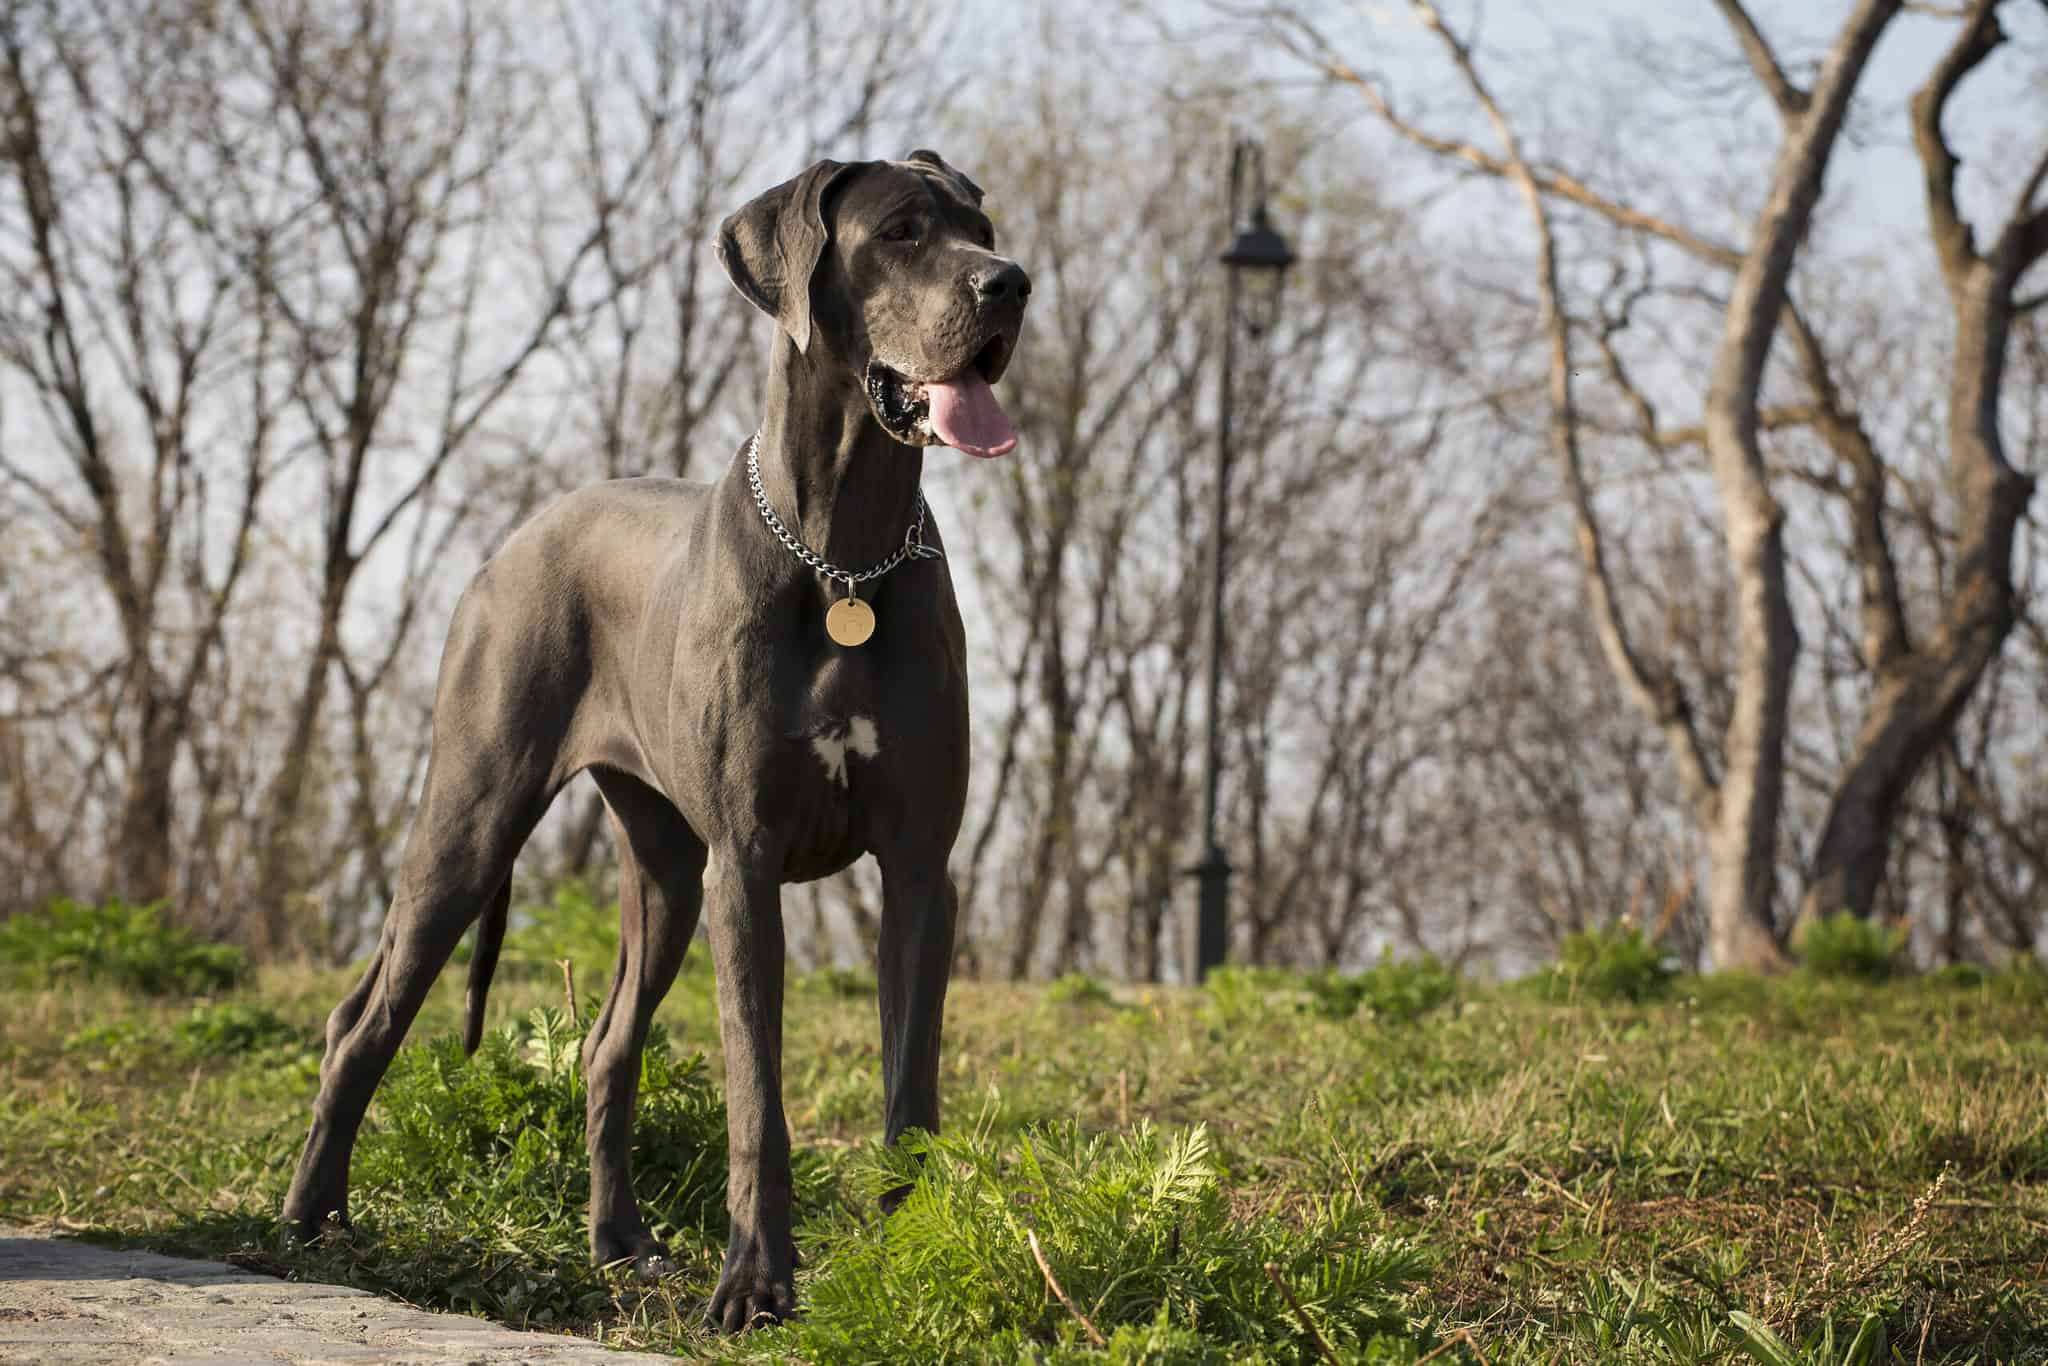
{"points": [[661, 889], [472, 821]]}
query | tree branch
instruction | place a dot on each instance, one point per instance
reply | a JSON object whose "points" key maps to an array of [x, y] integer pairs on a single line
{"points": [[2024, 238], [1790, 99], [1761, 282], [1301, 38], [1885, 641], [1954, 243]]}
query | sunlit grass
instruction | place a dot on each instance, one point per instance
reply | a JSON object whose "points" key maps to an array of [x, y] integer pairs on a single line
{"points": [[1731, 1164]]}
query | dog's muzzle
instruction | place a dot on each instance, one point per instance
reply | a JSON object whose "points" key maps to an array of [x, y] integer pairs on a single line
{"points": [[960, 411]]}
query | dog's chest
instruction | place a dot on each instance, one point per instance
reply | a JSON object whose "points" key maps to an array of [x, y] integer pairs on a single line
{"points": [[833, 761], [837, 715]]}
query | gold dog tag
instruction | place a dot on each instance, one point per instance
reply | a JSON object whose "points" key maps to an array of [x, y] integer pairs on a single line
{"points": [[849, 621]]}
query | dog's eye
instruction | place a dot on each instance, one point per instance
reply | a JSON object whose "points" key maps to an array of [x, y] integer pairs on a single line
{"points": [[904, 231]]}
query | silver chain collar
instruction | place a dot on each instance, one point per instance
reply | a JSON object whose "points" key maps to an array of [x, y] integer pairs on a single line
{"points": [[913, 547]]}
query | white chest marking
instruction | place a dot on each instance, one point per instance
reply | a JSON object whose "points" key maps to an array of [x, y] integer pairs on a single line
{"points": [[858, 736]]}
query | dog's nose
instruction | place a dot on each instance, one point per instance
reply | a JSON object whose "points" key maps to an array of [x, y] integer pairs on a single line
{"points": [[1002, 280]]}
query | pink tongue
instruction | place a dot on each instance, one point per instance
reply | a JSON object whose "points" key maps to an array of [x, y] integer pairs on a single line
{"points": [[967, 417]]}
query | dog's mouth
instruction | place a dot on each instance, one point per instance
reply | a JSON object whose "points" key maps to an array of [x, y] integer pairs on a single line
{"points": [[961, 412]]}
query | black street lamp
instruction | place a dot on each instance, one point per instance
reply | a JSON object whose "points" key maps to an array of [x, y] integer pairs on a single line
{"points": [[1261, 253]]}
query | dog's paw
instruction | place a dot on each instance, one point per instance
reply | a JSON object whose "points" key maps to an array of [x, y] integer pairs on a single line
{"points": [[306, 1228], [757, 1287], [649, 1257]]}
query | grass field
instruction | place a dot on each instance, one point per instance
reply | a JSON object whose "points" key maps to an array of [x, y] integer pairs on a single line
{"points": [[1797, 1170]]}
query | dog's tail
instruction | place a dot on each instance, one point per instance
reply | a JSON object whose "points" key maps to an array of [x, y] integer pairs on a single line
{"points": [[483, 962]]}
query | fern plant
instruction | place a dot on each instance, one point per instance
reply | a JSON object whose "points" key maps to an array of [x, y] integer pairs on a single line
{"points": [[1137, 1233]]}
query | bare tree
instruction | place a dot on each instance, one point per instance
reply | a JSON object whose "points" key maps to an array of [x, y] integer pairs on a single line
{"points": [[1736, 785], [1356, 548], [1919, 687], [123, 330], [1097, 392]]}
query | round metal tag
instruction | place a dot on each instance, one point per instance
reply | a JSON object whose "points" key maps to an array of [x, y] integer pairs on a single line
{"points": [[849, 621]]}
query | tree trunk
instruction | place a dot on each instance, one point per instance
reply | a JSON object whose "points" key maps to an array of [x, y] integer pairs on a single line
{"points": [[143, 865], [1742, 841], [1742, 811], [1920, 693], [278, 873], [1955, 867]]}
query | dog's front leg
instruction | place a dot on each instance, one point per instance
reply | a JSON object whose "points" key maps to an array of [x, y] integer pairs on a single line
{"points": [[743, 901], [915, 959]]}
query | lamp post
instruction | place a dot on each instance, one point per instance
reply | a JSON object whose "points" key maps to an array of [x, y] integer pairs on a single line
{"points": [[1261, 253]]}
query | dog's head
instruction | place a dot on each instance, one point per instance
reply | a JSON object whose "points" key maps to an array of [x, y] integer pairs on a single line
{"points": [[893, 265]]}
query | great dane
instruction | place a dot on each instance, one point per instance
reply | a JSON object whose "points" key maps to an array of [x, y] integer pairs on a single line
{"points": [[757, 704]]}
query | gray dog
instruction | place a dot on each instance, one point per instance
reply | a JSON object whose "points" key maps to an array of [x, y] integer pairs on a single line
{"points": [[765, 675]]}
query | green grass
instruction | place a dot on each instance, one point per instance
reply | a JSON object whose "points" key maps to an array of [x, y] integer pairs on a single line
{"points": [[1812, 1169]]}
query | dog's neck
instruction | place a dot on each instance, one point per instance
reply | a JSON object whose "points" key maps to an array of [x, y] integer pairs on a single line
{"points": [[845, 486]]}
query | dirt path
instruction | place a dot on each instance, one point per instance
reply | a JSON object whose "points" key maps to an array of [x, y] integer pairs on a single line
{"points": [[63, 1301]]}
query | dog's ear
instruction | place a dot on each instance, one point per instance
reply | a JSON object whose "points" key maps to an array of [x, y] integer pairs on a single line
{"points": [[771, 247], [950, 171]]}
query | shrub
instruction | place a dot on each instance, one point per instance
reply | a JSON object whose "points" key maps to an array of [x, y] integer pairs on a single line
{"points": [[118, 1043], [1139, 1234], [1845, 945], [1077, 989], [1607, 965], [2025, 979], [1395, 991], [131, 947]]}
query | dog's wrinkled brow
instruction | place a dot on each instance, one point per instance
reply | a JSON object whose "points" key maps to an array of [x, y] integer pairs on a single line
{"points": [[902, 204]]}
